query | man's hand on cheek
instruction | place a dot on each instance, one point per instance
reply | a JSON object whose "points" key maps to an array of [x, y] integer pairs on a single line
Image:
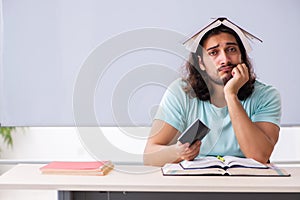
{"points": [[240, 76]]}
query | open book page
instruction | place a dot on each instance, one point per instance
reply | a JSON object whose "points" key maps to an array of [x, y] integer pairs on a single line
{"points": [[177, 170], [225, 162], [205, 162], [232, 161], [242, 171], [192, 43]]}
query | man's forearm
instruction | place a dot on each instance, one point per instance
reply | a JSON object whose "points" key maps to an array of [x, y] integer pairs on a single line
{"points": [[160, 155], [252, 140]]}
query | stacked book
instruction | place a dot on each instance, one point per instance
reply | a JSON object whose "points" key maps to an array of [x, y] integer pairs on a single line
{"points": [[97, 168]]}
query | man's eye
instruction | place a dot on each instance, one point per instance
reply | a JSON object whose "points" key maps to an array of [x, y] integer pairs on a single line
{"points": [[231, 49], [212, 53]]}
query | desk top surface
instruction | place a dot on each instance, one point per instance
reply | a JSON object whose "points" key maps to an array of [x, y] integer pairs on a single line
{"points": [[145, 178]]}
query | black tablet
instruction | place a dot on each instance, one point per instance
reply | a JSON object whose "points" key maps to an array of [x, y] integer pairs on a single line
{"points": [[196, 131]]}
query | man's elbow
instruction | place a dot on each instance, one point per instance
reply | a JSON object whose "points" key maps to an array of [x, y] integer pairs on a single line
{"points": [[146, 159], [147, 156], [263, 157]]}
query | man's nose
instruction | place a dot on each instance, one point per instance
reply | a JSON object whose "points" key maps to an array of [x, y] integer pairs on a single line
{"points": [[224, 58]]}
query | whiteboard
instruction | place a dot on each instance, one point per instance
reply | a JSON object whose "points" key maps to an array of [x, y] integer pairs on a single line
{"points": [[108, 63]]}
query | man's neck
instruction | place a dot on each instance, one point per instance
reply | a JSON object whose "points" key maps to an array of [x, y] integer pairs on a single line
{"points": [[217, 96]]}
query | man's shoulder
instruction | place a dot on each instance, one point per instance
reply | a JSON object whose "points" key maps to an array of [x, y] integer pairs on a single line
{"points": [[263, 89], [259, 86], [180, 89], [179, 82], [178, 85]]}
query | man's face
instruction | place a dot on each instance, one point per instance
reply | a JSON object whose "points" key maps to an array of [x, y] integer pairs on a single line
{"points": [[221, 54]]}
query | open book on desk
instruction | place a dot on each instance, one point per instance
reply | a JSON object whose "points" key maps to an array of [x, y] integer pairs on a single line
{"points": [[221, 162], [227, 165]]}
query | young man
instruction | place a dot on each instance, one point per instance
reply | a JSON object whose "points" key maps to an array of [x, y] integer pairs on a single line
{"points": [[221, 90]]}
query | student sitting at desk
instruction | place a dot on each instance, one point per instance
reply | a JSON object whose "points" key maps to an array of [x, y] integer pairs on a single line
{"points": [[220, 89]]}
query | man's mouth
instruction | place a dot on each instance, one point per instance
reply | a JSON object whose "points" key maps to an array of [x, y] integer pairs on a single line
{"points": [[226, 68]]}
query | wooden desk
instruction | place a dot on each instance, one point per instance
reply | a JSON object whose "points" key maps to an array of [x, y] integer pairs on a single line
{"points": [[142, 182]]}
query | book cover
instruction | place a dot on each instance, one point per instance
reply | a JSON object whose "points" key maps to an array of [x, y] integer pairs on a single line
{"points": [[196, 131], [94, 168]]}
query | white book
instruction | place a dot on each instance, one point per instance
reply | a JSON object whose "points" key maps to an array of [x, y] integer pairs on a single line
{"points": [[192, 42], [228, 165], [222, 162]]}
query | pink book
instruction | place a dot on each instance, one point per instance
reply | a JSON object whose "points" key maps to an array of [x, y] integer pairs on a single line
{"points": [[78, 168]]}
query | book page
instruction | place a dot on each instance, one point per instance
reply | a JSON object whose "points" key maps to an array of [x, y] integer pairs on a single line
{"points": [[177, 170], [205, 162], [232, 161], [256, 172]]}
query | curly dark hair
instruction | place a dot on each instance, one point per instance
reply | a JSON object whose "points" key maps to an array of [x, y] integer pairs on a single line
{"points": [[197, 87]]}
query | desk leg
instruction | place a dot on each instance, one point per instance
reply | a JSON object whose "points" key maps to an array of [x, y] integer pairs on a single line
{"points": [[64, 195], [83, 195]]}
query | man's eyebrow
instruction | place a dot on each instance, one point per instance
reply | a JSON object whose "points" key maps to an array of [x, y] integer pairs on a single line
{"points": [[227, 43], [231, 43], [212, 47]]}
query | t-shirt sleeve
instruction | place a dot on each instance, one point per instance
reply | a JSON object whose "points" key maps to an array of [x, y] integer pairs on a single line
{"points": [[171, 106], [268, 106]]}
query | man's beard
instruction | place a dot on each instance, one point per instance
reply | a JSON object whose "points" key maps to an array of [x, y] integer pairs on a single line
{"points": [[219, 80], [224, 80]]}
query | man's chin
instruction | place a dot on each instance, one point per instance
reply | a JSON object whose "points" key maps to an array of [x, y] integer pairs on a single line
{"points": [[226, 79]]}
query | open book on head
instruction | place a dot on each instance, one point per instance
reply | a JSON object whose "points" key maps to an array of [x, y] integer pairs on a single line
{"points": [[227, 165], [192, 42]]}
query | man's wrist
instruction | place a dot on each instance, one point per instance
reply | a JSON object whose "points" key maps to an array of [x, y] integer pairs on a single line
{"points": [[230, 97]]}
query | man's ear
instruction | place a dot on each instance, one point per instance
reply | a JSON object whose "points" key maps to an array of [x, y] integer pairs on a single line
{"points": [[201, 64]]}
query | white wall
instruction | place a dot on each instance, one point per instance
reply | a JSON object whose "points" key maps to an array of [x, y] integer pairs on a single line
{"points": [[47, 46], [287, 148]]}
